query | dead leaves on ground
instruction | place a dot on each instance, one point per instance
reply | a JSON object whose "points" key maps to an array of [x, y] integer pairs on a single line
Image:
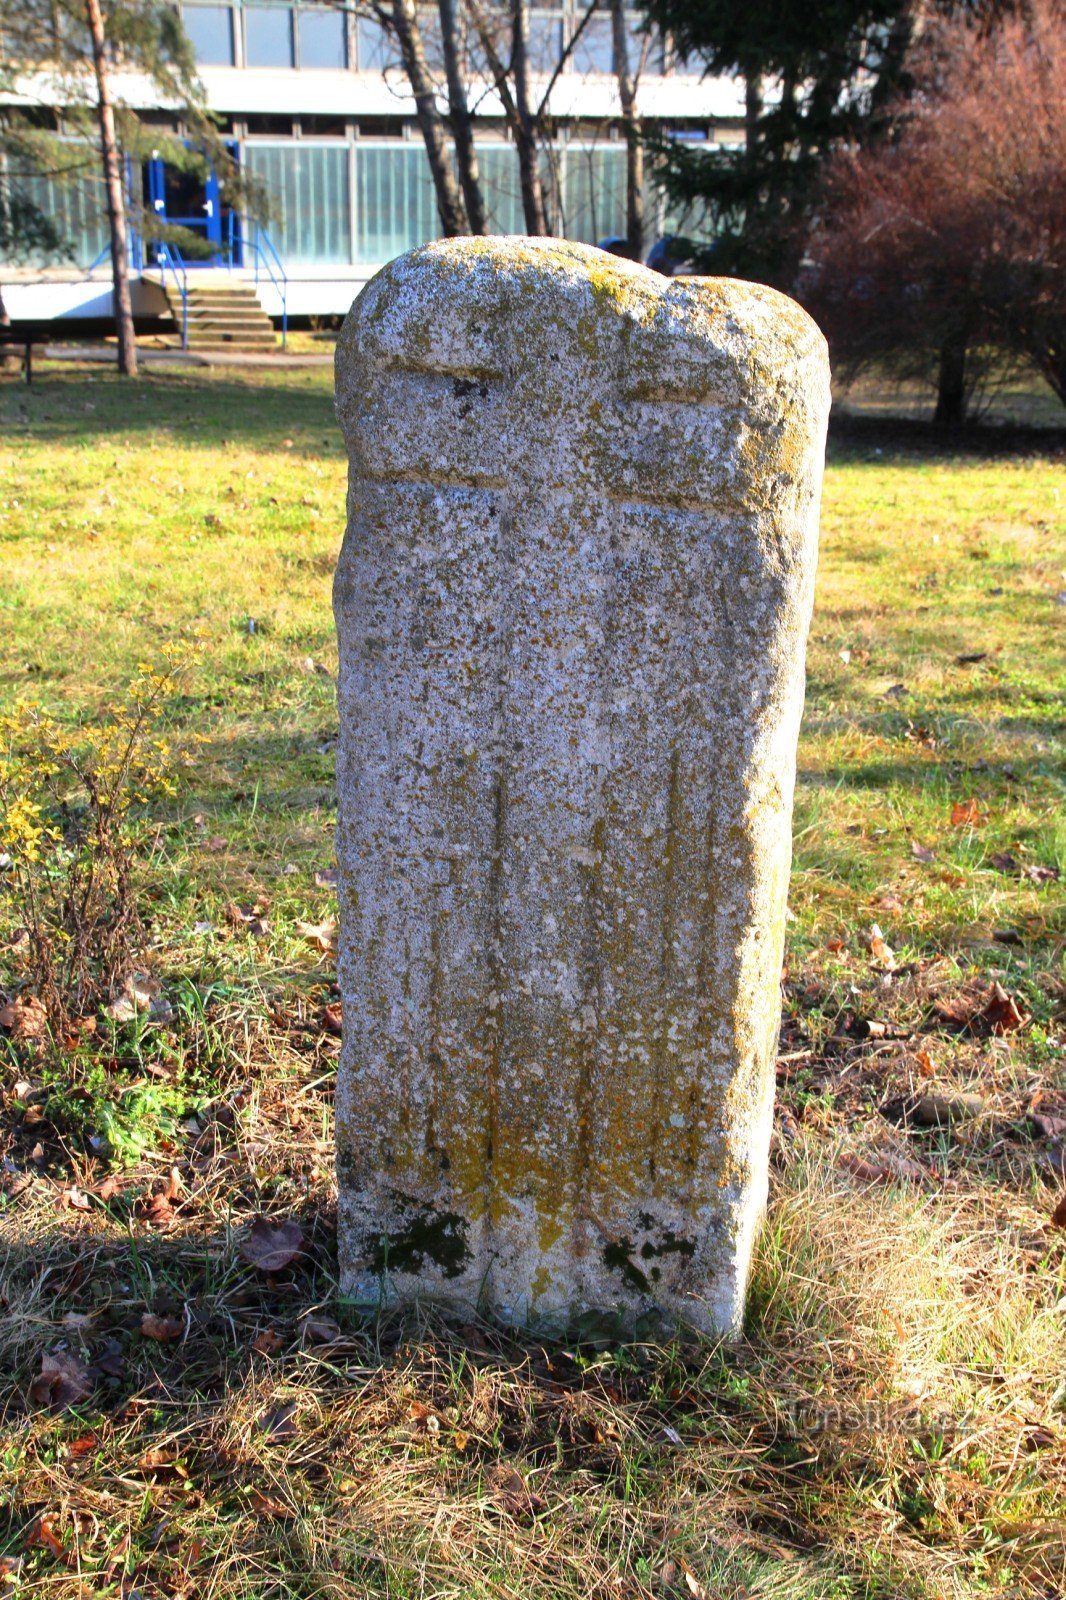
{"points": [[64, 1380], [158, 1208], [993, 1012], [252, 918], [25, 1019], [265, 1505], [1004, 861], [966, 814], [885, 1169], [270, 1247], [321, 936], [278, 1424], [511, 1493], [164, 1330]]}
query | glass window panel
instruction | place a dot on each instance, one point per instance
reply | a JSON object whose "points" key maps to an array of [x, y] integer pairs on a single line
{"points": [[310, 203], [498, 165], [375, 53], [644, 47], [76, 208], [323, 38], [429, 27], [595, 191], [267, 36], [396, 206], [545, 42], [594, 51], [210, 31]]}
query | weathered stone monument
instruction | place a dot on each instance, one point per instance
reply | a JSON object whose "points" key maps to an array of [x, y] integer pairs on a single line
{"points": [[572, 606]]}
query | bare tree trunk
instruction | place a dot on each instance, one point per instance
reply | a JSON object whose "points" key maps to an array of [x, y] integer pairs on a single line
{"points": [[462, 123], [526, 130], [1052, 363], [752, 112], [6, 359], [404, 21], [116, 200], [627, 95], [951, 383]]}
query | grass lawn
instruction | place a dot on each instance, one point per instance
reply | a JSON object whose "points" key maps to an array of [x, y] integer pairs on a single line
{"points": [[893, 1423]]}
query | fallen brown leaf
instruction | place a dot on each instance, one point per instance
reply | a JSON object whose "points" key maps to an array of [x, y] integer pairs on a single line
{"points": [[268, 1343], [331, 1019], [1058, 1216], [250, 917], [874, 941], [164, 1330], [1046, 1126], [159, 1212], [996, 1012], [62, 1381], [271, 1246], [265, 1505], [42, 1533], [1001, 1012], [278, 1424], [692, 1583], [511, 1492], [321, 1330], [320, 936], [965, 813], [25, 1018]]}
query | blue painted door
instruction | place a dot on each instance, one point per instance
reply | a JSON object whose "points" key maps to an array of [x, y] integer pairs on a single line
{"points": [[194, 201]]}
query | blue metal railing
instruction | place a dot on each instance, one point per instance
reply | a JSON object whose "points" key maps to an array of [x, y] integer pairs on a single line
{"points": [[260, 246], [169, 259], [237, 248]]}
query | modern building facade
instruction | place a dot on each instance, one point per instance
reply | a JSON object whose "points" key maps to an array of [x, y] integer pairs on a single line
{"points": [[317, 108]]}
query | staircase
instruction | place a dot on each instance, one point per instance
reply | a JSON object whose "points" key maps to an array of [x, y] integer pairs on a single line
{"points": [[224, 316]]}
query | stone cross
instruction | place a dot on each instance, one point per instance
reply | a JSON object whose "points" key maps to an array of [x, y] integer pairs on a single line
{"points": [[572, 606]]}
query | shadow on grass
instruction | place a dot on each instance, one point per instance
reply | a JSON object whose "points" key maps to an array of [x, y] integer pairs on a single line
{"points": [[292, 411], [264, 408], [854, 437]]}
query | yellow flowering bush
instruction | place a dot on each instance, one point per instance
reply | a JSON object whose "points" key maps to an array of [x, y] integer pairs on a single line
{"points": [[71, 837]]}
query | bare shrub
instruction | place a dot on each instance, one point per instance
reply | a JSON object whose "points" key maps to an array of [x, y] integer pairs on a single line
{"points": [[947, 239]]}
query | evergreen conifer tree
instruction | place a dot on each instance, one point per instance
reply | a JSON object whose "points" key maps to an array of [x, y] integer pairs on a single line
{"points": [[812, 74]]}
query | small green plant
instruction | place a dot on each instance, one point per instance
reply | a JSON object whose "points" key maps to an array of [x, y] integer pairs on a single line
{"points": [[72, 810]]}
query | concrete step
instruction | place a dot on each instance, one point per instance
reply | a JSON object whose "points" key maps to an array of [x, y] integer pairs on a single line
{"points": [[225, 318], [200, 299], [239, 316]]}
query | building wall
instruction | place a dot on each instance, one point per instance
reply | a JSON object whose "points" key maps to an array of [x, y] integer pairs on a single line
{"points": [[320, 113]]}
